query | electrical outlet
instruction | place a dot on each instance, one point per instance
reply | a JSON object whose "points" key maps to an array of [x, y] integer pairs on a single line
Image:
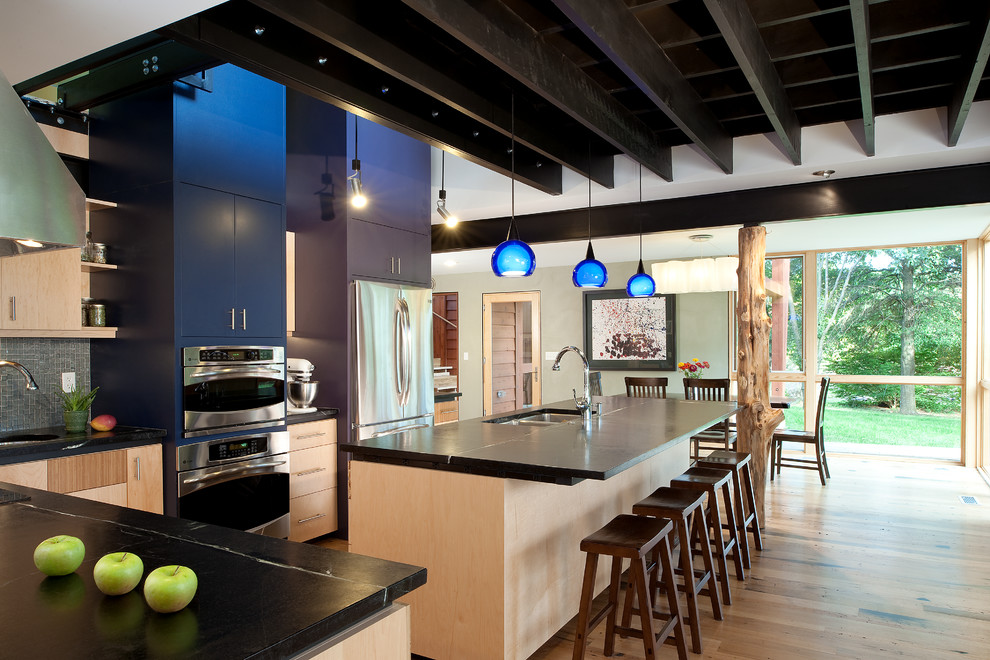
{"points": [[550, 355], [465, 355], [68, 381]]}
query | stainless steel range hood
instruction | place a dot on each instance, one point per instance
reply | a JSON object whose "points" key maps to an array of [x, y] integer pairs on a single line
{"points": [[39, 198]]}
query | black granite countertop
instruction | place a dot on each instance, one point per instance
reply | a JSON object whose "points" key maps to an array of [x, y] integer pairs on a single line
{"points": [[320, 414], [628, 431], [33, 445], [258, 597]]}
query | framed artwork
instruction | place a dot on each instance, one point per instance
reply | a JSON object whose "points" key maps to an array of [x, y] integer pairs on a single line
{"points": [[629, 333]]}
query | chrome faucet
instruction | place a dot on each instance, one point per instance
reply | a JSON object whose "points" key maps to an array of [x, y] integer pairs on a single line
{"points": [[31, 385], [583, 404]]}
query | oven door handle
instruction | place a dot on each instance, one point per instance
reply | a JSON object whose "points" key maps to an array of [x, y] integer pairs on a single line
{"points": [[219, 474], [235, 372]]}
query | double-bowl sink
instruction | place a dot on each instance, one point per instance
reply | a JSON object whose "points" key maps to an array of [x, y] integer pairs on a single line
{"points": [[538, 417]]}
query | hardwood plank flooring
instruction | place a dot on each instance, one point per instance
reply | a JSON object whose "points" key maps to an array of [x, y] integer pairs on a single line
{"points": [[884, 562]]}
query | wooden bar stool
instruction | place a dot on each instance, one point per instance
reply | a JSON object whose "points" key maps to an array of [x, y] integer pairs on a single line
{"points": [[742, 484], [712, 481], [686, 509], [634, 538]]}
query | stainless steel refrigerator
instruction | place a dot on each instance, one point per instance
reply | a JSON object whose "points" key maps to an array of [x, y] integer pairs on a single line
{"points": [[392, 358]]}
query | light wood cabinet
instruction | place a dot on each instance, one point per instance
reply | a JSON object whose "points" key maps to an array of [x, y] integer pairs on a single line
{"points": [[445, 412], [34, 293], [144, 479], [125, 477], [312, 479]]}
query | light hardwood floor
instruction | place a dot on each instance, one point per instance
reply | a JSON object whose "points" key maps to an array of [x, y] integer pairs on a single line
{"points": [[884, 562]]}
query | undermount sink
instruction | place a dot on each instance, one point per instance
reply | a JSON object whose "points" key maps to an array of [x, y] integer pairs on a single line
{"points": [[538, 417], [28, 437]]}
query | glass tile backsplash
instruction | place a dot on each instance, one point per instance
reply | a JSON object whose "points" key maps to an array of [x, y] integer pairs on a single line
{"points": [[47, 360]]}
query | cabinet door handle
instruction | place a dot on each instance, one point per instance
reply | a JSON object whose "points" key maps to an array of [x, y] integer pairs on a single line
{"points": [[244, 319], [137, 468], [231, 318], [319, 515], [306, 473], [398, 261], [13, 308], [391, 265], [310, 435]]}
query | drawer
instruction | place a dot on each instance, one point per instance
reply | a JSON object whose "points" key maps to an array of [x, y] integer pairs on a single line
{"points": [[72, 473], [312, 469], [313, 515], [312, 434]]}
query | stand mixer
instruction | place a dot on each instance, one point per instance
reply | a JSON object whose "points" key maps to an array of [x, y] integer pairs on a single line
{"points": [[301, 390]]}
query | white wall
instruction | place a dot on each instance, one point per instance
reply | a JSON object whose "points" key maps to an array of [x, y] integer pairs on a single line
{"points": [[701, 330]]}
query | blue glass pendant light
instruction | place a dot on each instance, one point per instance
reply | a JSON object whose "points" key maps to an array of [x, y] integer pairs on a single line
{"points": [[640, 285], [589, 273], [512, 257]]}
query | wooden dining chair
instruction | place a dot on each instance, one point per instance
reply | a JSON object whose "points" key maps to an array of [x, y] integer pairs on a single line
{"points": [[718, 436], [815, 439], [646, 388]]}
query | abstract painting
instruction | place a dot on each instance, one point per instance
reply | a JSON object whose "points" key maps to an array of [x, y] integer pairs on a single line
{"points": [[629, 333]]}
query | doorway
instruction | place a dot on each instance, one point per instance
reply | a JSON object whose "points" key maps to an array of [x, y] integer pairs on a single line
{"points": [[511, 347]]}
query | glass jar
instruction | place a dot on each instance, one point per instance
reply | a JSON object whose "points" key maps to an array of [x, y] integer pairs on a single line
{"points": [[86, 302], [98, 255], [97, 315]]}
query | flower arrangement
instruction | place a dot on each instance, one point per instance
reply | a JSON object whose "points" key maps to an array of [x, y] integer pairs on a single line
{"points": [[693, 368]]}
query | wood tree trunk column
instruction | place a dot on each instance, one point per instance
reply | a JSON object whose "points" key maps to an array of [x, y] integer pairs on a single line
{"points": [[756, 421]]}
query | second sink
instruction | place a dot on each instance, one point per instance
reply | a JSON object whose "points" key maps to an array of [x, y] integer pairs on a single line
{"points": [[538, 417]]}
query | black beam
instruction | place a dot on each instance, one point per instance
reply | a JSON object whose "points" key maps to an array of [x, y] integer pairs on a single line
{"points": [[332, 83], [743, 38], [506, 41], [140, 70], [624, 40], [87, 63], [859, 11], [337, 22], [965, 89], [901, 191]]}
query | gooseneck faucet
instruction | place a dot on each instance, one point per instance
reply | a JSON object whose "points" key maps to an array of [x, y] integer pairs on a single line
{"points": [[31, 385], [583, 404]]}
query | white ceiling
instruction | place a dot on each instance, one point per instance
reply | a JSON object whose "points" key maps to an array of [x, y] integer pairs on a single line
{"points": [[39, 35]]}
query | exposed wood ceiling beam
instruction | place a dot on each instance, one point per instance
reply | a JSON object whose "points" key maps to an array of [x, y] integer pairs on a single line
{"points": [[859, 11], [898, 191], [337, 22], [505, 40], [743, 38], [342, 89], [630, 47], [965, 88]]}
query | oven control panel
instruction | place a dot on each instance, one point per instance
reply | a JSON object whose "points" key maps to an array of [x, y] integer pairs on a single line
{"points": [[194, 356], [222, 451]]}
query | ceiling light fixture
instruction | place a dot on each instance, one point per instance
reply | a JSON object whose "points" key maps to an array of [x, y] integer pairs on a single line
{"points": [[640, 285], [589, 273], [702, 275], [358, 199], [449, 218], [512, 257], [824, 173]]}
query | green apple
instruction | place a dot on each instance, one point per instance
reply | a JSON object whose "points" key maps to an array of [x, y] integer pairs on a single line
{"points": [[170, 588], [117, 573], [59, 555]]}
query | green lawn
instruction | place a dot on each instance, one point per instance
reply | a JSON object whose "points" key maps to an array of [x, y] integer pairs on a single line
{"points": [[879, 426]]}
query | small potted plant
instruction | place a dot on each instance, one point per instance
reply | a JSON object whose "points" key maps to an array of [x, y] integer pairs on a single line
{"points": [[75, 408]]}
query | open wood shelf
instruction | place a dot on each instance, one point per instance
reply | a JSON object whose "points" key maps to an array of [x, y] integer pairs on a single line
{"points": [[99, 205], [82, 333], [90, 267]]}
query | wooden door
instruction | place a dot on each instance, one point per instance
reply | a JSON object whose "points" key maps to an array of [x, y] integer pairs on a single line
{"points": [[511, 346]]}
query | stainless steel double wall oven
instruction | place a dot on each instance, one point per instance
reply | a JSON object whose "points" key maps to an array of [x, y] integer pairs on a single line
{"points": [[239, 481]]}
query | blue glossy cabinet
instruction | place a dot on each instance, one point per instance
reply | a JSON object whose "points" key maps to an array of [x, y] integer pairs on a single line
{"points": [[230, 253]]}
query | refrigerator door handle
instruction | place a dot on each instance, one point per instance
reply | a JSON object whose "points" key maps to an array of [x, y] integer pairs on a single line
{"points": [[405, 351], [397, 329]]}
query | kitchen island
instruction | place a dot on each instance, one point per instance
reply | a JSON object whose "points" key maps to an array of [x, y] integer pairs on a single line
{"points": [[258, 597], [496, 512]]}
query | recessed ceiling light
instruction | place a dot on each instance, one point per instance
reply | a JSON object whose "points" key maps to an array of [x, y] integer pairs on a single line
{"points": [[700, 238]]}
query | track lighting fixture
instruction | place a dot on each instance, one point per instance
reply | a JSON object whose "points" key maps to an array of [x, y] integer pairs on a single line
{"points": [[358, 199], [449, 218]]}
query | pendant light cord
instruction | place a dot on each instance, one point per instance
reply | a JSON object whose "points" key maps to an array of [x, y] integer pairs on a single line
{"points": [[589, 191], [641, 212], [442, 159], [512, 166]]}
